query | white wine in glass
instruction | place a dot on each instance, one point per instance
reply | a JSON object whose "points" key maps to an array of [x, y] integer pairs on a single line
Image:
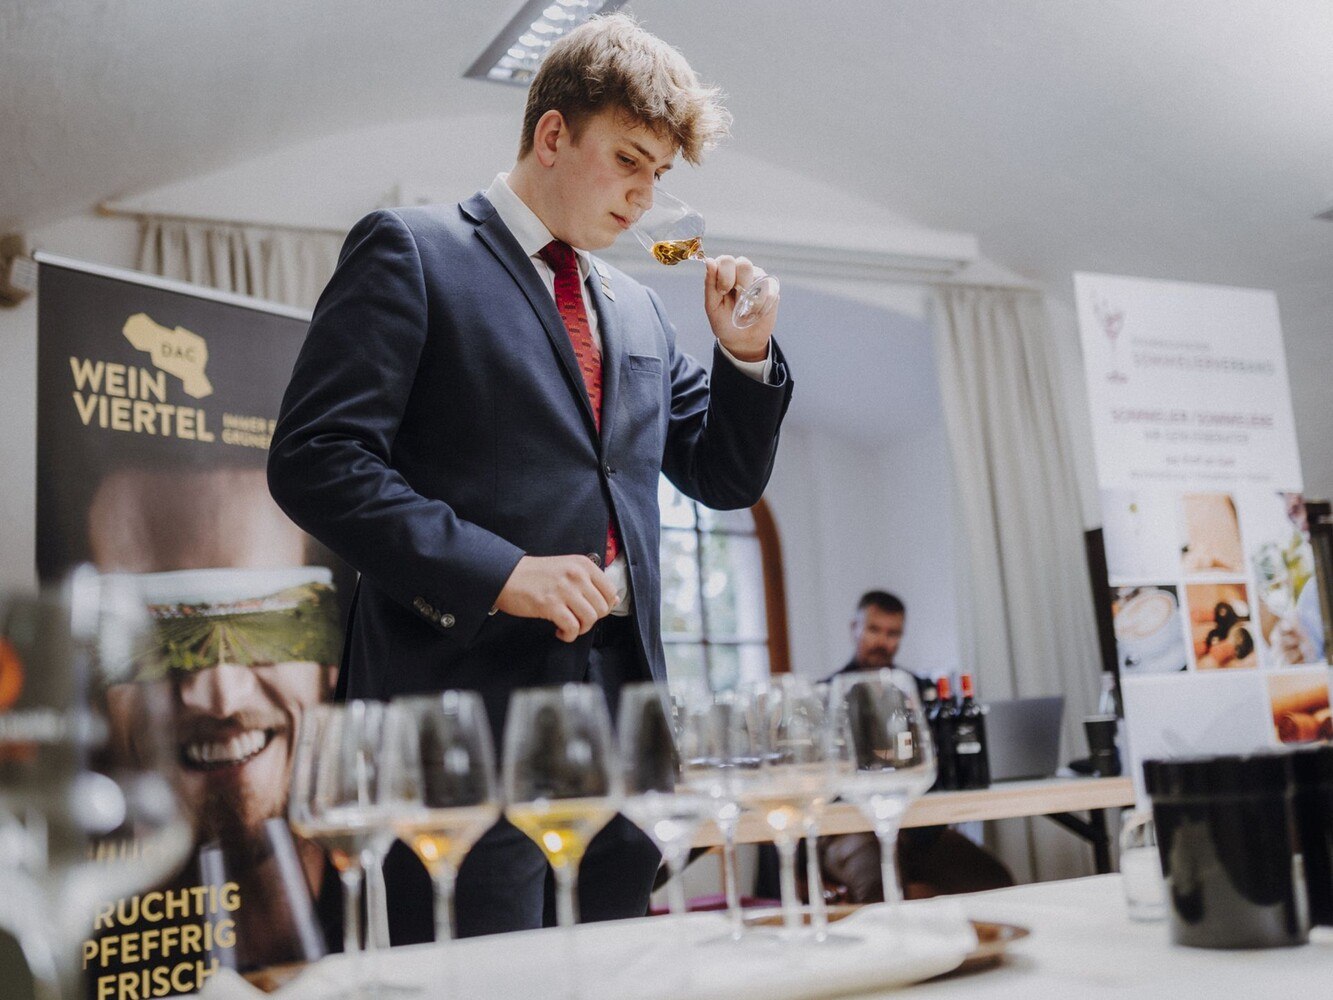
{"points": [[673, 232], [441, 788], [561, 778]]}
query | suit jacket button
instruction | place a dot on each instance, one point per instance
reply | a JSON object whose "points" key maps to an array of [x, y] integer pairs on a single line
{"points": [[596, 559], [447, 621], [419, 604], [608, 470]]}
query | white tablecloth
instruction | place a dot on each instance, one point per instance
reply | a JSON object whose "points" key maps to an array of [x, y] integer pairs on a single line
{"points": [[1084, 947], [657, 958]]}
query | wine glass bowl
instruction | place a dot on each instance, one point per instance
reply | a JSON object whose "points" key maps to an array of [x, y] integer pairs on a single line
{"points": [[657, 800], [888, 756], [720, 745], [561, 779], [793, 782], [441, 789], [85, 818], [672, 232], [338, 800]]}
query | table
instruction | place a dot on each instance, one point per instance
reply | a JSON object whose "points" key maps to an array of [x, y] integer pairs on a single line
{"points": [[1084, 947], [1057, 798]]}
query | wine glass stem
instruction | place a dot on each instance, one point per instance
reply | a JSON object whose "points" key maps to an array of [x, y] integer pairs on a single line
{"points": [[351, 877], [567, 917], [888, 866], [675, 862], [377, 904], [730, 880], [791, 905], [814, 880], [444, 880], [675, 886], [566, 901]]}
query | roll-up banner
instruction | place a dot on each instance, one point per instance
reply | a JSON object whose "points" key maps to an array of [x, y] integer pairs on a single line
{"points": [[156, 404], [1219, 637]]}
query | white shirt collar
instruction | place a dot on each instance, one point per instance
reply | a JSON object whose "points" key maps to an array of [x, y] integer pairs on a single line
{"points": [[523, 223]]}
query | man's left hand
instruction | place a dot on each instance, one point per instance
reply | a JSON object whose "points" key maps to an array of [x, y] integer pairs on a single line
{"points": [[724, 280]]}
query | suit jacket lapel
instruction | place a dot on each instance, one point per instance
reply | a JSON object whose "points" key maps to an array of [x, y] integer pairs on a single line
{"points": [[613, 347], [500, 241]]}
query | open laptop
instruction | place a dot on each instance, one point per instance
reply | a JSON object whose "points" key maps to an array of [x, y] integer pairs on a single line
{"points": [[1023, 737]]}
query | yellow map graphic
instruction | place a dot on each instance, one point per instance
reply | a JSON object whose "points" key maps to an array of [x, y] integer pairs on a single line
{"points": [[177, 352]]}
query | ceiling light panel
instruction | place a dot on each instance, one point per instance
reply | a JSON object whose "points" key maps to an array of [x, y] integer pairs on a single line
{"points": [[515, 54]]}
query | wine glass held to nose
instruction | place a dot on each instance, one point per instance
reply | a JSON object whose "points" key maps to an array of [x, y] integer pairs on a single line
{"points": [[740, 299]]}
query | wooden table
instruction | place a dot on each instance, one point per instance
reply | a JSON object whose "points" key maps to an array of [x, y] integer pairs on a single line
{"points": [[1057, 798]]}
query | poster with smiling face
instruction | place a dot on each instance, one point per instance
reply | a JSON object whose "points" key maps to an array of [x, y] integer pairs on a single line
{"points": [[155, 406]]}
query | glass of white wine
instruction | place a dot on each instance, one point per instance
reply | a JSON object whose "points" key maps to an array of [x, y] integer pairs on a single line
{"points": [[337, 802], [441, 788], [561, 777], [673, 232], [889, 759]]}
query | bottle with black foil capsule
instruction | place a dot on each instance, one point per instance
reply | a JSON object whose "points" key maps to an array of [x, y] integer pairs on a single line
{"points": [[971, 761], [929, 700], [940, 717]]}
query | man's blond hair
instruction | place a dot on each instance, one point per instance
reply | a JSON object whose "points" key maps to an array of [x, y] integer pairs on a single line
{"points": [[611, 62]]}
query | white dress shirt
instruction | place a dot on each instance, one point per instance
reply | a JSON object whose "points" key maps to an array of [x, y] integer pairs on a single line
{"points": [[532, 236]]}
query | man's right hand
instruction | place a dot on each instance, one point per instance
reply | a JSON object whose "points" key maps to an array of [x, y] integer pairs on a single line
{"points": [[571, 592]]}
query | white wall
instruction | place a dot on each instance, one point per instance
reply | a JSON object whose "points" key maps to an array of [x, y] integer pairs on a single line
{"points": [[857, 516]]}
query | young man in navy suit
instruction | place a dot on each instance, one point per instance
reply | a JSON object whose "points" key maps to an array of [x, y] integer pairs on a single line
{"points": [[478, 419]]}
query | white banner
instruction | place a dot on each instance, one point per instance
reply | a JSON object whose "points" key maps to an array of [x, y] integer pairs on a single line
{"points": [[1211, 573]]}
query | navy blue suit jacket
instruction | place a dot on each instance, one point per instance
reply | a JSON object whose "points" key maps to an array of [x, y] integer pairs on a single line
{"points": [[436, 429]]}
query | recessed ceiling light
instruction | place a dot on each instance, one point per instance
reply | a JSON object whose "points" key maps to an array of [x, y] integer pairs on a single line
{"points": [[518, 50]]}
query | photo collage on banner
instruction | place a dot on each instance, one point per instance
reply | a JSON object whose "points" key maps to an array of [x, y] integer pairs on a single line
{"points": [[156, 405], [1215, 599]]}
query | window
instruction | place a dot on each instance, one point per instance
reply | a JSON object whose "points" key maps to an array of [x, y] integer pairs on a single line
{"points": [[723, 608]]}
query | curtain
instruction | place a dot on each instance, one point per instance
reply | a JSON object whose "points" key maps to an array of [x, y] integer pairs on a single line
{"points": [[1028, 625], [280, 265]]}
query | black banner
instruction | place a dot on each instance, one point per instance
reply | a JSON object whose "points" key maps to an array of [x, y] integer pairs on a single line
{"points": [[156, 404]]}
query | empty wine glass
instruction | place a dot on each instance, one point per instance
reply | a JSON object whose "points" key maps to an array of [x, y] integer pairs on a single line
{"points": [[795, 776], [656, 800], [720, 740], [561, 779], [890, 759], [673, 232], [337, 801], [83, 820], [441, 787]]}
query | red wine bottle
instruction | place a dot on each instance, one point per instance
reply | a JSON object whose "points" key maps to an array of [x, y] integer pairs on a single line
{"points": [[971, 760], [941, 716]]}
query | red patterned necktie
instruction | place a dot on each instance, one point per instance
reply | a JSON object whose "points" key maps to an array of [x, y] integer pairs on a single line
{"points": [[559, 256]]}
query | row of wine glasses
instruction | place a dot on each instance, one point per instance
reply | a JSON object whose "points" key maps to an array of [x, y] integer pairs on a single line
{"points": [[784, 750], [422, 769]]}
